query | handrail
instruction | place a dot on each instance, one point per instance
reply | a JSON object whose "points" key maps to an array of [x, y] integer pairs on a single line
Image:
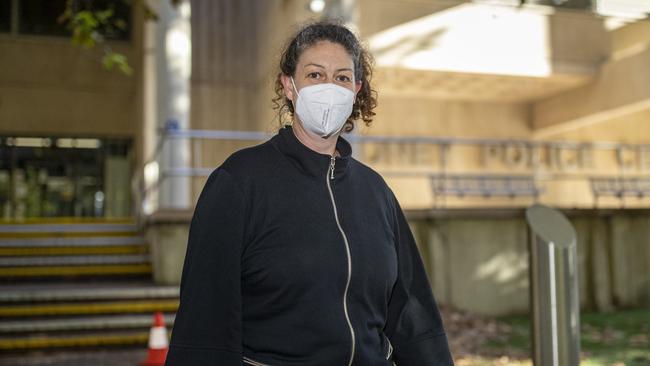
{"points": [[138, 189], [355, 138]]}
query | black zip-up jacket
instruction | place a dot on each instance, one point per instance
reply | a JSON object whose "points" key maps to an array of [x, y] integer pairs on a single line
{"points": [[298, 258]]}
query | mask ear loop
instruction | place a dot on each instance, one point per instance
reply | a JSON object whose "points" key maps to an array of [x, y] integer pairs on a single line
{"points": [[296, 90]]}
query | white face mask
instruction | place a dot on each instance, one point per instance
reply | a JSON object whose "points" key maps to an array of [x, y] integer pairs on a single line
{"points": [[324, 108]]}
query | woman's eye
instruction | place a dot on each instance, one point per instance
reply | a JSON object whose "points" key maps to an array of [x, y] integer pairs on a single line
{"points": [[313, 75], [343, 78]]}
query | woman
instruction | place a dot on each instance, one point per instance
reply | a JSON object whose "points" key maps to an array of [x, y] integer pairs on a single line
{"points": [[298, 254]]}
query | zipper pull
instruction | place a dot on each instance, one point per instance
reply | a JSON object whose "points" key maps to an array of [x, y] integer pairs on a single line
{"points": [[332, 163]]}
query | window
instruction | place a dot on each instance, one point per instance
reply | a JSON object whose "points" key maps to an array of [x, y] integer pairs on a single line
{"points": [[572, 4], [567, 4], [50, 176], [42, 17], [5, 16]]}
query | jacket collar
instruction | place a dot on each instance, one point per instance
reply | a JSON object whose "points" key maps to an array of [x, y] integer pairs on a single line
{"points": [[309, 161]]}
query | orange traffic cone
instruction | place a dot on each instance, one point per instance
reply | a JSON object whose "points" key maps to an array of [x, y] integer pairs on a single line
{"points": [[158, 342]]}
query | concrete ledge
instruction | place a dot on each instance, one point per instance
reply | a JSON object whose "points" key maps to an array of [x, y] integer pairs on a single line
{"points": [[170, 217], [166, 232], [510, 213]]}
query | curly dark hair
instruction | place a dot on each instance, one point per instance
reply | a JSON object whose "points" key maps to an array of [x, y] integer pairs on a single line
{"points": [[334, 32]]}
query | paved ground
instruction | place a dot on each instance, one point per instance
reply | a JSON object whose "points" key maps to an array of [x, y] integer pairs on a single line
{"points": [[117, 357]]}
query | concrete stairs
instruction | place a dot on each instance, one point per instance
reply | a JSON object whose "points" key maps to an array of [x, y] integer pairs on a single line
{"points": [[72, 250], [73, 285]]}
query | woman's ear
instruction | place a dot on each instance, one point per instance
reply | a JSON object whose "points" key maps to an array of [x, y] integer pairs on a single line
{"points": [[287, 86]]}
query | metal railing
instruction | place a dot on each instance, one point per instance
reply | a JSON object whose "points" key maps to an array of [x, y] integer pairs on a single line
{"points": [[620, 187], [486, 186]]}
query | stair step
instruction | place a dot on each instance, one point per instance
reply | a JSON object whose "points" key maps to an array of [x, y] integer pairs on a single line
{"points": [[51, 341], [83, 241], [73, 260], [81, 323], [25, 236], [84, 292], [67, 284], [95, 356], [58, 271], [122, 249], [81, 308], [67, 228]]}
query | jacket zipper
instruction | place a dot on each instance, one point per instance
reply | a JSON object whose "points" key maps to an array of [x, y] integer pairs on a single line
{"points": [[329, 176], [390, 349], [250, 361]]}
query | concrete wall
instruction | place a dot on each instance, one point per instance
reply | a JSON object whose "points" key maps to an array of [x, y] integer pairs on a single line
{"points": [[167, 233], [377, 15], [630, 279], [478, 265], [49, 86], [479, 261]]}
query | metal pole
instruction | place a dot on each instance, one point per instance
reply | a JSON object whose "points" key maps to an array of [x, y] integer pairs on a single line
{"points": [[554, 288]]}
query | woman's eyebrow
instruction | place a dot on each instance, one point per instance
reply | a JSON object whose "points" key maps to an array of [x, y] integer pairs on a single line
{"points": [[313, 64], [322, 67]]}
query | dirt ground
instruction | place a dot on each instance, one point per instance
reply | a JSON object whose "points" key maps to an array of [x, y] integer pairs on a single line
{"points": [[468, 335]]}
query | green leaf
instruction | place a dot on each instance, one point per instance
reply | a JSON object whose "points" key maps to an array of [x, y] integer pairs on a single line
{"points": [[104, 16], [90, 28], [114, 59], [120, 24]]}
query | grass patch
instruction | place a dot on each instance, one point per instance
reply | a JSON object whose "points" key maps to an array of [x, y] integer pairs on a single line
{"points": [[618, 338]]}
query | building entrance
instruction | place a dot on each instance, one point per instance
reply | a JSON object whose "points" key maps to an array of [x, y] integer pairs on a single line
{"points": [[46, 176]]}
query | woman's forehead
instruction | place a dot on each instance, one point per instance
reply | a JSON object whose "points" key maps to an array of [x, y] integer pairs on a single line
{"points": [[327, 54]]}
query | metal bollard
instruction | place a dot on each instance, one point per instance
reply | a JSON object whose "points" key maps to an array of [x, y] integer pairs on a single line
{"points": [[554, 288]]}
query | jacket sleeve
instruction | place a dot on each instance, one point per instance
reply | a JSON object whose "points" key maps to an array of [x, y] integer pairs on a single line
{"points": [[207, 329], [414, 325]]}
